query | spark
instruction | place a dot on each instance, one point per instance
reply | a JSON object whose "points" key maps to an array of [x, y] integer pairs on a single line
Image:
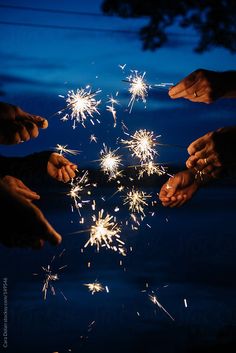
{"points": [[185, 303], [63, 149], [142, 145], [110, 108], [122, 66], [151, 168], [105, 233], [93, 138], [110, 162], [77, 187], [82, 104], [153, 298], [138, 88], [136, 200], [95, 287]]}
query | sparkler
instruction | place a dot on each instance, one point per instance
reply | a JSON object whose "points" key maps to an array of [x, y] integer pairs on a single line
{"points": [[77, 187], [95, 287], [110, 162], [63, 149], [105, 233], [136, 200], [142, 145], [111, 108], [82, 104], [138, 88], [93, 138], [151, 168], [153, 298]]}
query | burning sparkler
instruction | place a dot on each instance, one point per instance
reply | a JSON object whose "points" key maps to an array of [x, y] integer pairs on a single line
{"points": [[136, 200], [138, 88], [95, 287], [110, 162], [77, 187], [82, 105], [64, 150], [142, 145], [150, 169], [153, 298], [93, 138], [105, 233]]}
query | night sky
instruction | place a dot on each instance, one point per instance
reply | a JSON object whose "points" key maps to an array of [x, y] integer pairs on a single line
{"points": [[185, 249]]}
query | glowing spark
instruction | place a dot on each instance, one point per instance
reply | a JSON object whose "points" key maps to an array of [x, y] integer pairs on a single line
{"points": [[142, 145], [110, 162], [105, 232], [153, 298], [122, 66], [111, 109], [151, 168], [93, 138], [138, 88], [185, 303], [63, 149], [78, 186], [94, 287], [82, 104], [137, 200]]}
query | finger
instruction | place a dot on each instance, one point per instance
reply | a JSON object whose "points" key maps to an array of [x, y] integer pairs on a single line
{"points": [[65, 175], [184, 200], [70, 171], [24, 135], [59, 175], [32, 129], [38, 120], [31, 195], [182, 88], [197, 145]]}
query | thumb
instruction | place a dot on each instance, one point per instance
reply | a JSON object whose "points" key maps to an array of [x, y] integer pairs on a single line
{"points": [[37, 120]]}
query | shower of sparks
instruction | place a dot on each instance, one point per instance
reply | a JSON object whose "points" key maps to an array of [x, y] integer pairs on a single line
{"points": [[64, 150], [77, 187], [138, 88], [137, 200], [142, 145], [151, 168], [111, 107], [110, 162], [153, 298], [105, 233], [95, 287], [93, 138], [82, 105]]}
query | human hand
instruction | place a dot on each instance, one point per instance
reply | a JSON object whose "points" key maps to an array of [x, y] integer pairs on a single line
{"points": [[178, 189], [22, 223], [17, 126], [203, 86], [213, 151], [60, 168], [18, 187]]}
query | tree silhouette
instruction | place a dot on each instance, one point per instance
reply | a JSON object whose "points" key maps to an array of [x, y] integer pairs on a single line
{"points": [[213, 20]]}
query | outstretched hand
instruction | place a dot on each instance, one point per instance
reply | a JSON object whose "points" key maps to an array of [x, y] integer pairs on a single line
{"points": [[60, 168], [212, 151], [178, 189], [17, 126], [203, 86], [23, 224]]}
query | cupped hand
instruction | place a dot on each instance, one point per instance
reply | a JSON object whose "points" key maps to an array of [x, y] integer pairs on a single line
{"points": [[60, 168]]}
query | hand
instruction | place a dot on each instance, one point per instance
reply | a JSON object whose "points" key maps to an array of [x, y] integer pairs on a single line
{"points": [[22, 223], [17, 126], [213, 151], [61, 168], [201, 86], [178, 189], [17, 187]]}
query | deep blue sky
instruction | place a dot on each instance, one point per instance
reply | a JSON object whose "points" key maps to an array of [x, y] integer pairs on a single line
{"points": [[37, 64]]}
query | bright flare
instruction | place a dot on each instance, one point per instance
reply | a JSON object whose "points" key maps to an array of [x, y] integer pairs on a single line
{"points": [[153, 298], [105, 233], [136, 200], [82, 105], [142, 145], [110, 162], [64, 150], [150, 169], [95, 287], [138, 88]]}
